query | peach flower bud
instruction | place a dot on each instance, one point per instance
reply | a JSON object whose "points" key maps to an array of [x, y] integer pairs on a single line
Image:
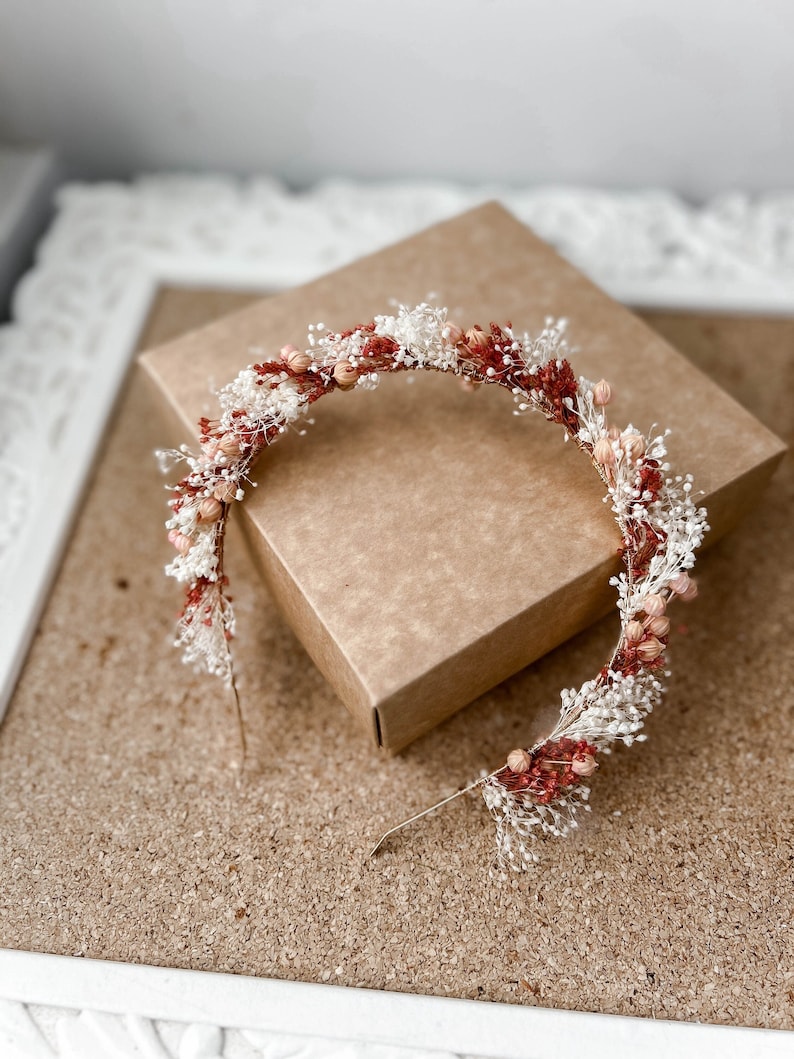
{"points": [[287, 351], [633, 445], [454, 334], [345, 374], [584, 765], [229, 446], [476, 339], [603, 452], [172, 536], [209, 509], [657, 626], [226, 492], [682, 585], [634, 631], [691, 591], [654, 605], [602, 393], [213, 425], [518, 760], [649, 649], [182, 543], [299, 361], [614, 433]]}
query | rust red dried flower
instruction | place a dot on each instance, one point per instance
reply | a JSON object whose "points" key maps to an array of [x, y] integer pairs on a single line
{"points": [[557, 382], [550, 769]]}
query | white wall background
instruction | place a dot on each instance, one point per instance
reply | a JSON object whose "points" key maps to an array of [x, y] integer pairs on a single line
{"points": [[697, 95]]}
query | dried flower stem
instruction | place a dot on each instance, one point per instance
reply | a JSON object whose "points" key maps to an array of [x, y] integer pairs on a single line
{"points": [[240, 726]]}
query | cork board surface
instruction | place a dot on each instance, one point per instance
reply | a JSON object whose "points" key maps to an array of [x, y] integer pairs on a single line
{"points": [[123, 835]]}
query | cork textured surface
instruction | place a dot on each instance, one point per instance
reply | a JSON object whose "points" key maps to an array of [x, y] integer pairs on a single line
{"points": [[124, 836]]}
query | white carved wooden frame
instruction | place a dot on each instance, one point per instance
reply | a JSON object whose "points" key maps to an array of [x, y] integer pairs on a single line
{"points": [[77, 317]]}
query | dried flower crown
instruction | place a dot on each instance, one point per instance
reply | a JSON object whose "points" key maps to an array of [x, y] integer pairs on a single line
{"points": [[540, 788]]}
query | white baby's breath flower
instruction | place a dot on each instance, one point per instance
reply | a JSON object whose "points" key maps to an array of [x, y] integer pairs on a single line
{"points": [[200, 562], [204, 631], [520, 821], [264, 400], [420, 334]]}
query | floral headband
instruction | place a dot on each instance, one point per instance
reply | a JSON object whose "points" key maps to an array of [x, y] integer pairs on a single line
{"points": [[540, 788]]}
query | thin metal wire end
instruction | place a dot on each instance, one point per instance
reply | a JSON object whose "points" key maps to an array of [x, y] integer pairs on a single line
{"points": [[240, 730], [418, 816]]}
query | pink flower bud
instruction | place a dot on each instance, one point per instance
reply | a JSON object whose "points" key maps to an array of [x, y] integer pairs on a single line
{"points": [[454, 334], [602, 393], [680, 582], [518, 761], [691, 591], [603, 452], [226, 492], [299, 361], [210, 509], [654, 605], [683, 586], [634, 631], [182, 543], [229, 446], [476, 340], [345, 375], [287, 351], [649, 649], [657, 626], [633, 445], [584, 765]]}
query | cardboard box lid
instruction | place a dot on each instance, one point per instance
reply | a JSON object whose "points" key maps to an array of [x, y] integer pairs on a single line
{"points": [[424, 542]]}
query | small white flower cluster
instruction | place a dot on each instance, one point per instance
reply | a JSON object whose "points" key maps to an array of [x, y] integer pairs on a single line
{"points": [[185, 525], [205, 638], [550, 344], [263, 400], [674, 515], [202, 559], [600, 712], [421, 333], [526, 357], [519, 822], [593, 421], [327, 348], [603, 712]]}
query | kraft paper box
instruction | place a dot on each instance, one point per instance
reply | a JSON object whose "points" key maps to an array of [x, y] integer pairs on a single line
{"points": [[423, 542]]}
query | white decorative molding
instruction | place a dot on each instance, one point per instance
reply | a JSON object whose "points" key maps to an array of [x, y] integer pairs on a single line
{"points": [[77, 316], [85, 1009]]}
